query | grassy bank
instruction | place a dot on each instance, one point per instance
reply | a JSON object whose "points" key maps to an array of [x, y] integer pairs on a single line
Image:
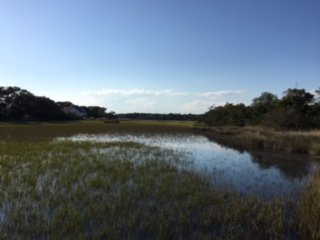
{"points": [[49, 130], [255, 138], [130, 191]]}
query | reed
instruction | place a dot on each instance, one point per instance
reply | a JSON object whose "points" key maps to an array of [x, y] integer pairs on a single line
{"points": [[309, 210]]}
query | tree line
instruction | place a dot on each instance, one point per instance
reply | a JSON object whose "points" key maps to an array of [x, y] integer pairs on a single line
{"points": [[17, 104], [159, 116], [296, 109]]}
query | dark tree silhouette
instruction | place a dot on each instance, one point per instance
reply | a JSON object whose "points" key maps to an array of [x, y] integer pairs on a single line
{"points": [[297, 109]]}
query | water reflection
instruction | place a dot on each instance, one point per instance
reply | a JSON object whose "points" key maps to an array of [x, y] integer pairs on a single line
{"points": [[292, 165], [259, 173]]}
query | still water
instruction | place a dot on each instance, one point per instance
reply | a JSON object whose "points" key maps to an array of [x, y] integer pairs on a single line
{"points": [[250, 173]]}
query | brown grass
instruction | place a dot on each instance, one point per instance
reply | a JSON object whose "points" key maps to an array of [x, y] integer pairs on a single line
{"points": [[49, 130], [309, 210], [253, 138]]}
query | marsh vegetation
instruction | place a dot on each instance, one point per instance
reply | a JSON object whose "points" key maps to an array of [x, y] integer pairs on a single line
{"points": [[261, 138], [93, 187], [119, 191], [256, 173]]}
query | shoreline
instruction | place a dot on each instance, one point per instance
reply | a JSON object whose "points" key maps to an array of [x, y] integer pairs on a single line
{"points": [[259, 138]]}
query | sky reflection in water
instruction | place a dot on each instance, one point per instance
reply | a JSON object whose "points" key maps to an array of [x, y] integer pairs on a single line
{"points": [[262, 174]]}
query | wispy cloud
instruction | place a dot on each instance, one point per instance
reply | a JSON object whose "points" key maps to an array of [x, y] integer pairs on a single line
{"points": [[143, 102], [167, 100], [167, 93], [146, 100], [195, 106]]}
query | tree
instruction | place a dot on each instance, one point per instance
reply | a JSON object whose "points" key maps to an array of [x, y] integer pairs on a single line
{"points": [[317, 96], [111, 115], [261, 105], [283, 118], [299, 99], [266, 100], [95, 111], [20, 105], [300, 102], [229, 114], [297, 109], [316, 108]]}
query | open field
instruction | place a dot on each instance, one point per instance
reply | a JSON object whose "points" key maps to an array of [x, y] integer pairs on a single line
{"points": [[256, 138]]}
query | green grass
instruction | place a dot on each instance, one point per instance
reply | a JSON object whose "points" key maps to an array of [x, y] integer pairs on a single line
{"points": [[187, 124], [49, 130], [122, 191], [251, 138], [83, 190]]}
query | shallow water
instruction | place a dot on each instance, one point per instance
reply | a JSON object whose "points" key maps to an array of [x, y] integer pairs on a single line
{"points": [[261, 174]]}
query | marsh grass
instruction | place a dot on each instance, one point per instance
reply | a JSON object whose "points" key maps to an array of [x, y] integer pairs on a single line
{"points": [[85, 190], [123, 191], [255, 138], [309, 210], [49, 130]]}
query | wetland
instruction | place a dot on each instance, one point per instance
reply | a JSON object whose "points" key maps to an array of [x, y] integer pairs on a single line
{"points": [[144, 179]]}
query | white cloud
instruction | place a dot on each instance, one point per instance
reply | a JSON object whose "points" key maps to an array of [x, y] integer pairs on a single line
{"points": [[140, 102], [156, 101], [195, 106], [134, 92], [167, 93], [217, 94], [162, 101]]}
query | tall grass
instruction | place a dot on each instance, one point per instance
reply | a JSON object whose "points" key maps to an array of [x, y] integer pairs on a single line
{"points": [[309, 210], [122, 191], [73, 190]]}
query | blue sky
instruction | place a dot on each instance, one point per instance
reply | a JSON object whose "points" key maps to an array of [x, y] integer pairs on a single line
{"points": [[159, 56]]}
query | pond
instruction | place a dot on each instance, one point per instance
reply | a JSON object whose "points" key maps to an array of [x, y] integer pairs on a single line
{"points": [[250, 173]]}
